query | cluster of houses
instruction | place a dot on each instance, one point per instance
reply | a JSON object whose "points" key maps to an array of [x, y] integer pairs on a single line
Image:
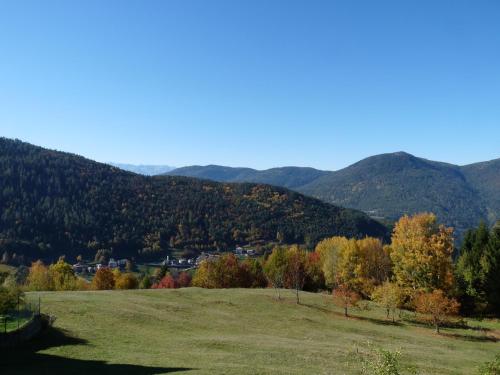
{"points": [[81, 267], [244, 252], [179, 263], [182, 263]]}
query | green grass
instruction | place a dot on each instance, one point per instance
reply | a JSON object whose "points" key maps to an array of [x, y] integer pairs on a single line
{"points": [[239, 331], [7, 269], [12, 323]]}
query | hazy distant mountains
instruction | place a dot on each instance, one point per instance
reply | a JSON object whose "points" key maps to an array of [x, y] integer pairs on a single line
{"points": [[146, 170], [386, 186]]}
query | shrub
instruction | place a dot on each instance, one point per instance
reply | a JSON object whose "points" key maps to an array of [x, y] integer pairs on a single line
{"points": [[491, 368], [103, 279]]}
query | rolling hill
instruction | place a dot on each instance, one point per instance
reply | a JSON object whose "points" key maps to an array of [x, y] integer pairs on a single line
{"points": [[388, 186], [55, 203], [289, 177]]}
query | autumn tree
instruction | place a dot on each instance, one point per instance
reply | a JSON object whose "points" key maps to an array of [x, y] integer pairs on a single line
{"points": [[437, 306], [389, 296], [315, 280], [295, 270], [329, 251], [183, 280], [275, 268], [38, 277], [360, 264], [62, 275], [168, 282], [421, 252], [254, 273], [104, 279], [223, 272], [345, 297], [126, 281]]}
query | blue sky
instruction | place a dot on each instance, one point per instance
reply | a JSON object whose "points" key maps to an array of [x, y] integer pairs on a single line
{"points": [[252, 83]]}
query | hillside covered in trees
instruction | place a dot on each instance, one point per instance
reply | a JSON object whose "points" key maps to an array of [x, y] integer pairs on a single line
{"points": [[387, 186], [54, 203]]}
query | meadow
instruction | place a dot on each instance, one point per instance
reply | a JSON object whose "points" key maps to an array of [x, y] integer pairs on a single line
{"points": [[233, 331]]}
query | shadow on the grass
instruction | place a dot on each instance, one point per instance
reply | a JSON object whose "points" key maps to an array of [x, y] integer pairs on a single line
{"points": [[27, 360]]}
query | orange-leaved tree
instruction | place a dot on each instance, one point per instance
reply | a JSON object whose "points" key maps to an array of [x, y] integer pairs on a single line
{"points": [[436, 306], [346, 297], [104, 279]]}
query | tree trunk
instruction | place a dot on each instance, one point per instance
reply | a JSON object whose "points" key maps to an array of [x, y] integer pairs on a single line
{"points": [[345, 311], [297, 295]]}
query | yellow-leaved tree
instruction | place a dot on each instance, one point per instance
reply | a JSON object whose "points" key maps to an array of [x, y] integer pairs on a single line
{"points": [[421, 251], [360, 265]]}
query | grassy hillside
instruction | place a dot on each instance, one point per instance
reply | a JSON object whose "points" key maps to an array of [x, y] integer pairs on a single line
{"points": [[239, 331], [55, 203]]}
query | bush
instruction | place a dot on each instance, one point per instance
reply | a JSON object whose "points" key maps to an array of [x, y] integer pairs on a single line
{"points": [[8, 299], [385, 362], [491, 368]]}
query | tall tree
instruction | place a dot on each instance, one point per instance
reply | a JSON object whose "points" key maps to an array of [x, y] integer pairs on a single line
{"points": [[39, 277], [275, 268], [295, 274], [472, 269], [421, 252]]}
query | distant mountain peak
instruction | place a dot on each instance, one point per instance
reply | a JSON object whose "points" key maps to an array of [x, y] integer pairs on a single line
{"points": [[144, 169]]}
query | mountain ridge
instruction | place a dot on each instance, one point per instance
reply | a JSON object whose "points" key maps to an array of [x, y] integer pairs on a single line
{"points": [[393, 184]]}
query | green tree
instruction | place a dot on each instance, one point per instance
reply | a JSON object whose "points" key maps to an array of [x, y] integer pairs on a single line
{"points": [[389, 296], [275, 268], [9, 298]]}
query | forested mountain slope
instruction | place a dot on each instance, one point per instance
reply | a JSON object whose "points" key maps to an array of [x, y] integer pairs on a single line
{"points": [[387, 186], [54, 203]]}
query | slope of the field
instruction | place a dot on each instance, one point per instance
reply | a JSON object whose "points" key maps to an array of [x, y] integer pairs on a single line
{"points": [[235, 331]]}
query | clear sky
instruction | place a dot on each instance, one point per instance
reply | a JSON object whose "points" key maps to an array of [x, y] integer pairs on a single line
{"points": [[256, 83]]}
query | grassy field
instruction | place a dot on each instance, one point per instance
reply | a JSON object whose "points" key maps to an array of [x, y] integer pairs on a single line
{"points": [[239, 331]]}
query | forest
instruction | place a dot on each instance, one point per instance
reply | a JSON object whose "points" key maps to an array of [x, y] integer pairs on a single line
{"points": [[54, 203]]}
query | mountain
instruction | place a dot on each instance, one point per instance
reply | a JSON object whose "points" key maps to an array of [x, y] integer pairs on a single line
{"points": [[54, 203], [485, 178], [387, 186], [289, 177], [147, 170], [390, 185]]}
